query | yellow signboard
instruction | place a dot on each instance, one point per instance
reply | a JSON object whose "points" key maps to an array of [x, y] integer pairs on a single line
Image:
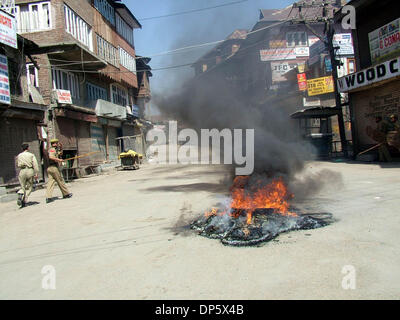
{"points": [[320, 86], [277, 44]]}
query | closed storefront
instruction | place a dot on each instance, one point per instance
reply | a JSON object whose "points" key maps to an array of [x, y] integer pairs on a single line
{"points": [[66, 133], [381, 101], [14, 132], [112, 143], [98, 142], [128, 130], [84, 144]]}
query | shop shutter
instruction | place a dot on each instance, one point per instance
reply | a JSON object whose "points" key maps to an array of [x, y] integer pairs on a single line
{"points": [[376, 101], [14, 132], [128, 131], [84, 144], [66, 133], [112, 143], [98, 143]]}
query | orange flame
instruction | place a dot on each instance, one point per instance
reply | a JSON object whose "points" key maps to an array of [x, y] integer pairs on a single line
{"points": [[249, 198]]}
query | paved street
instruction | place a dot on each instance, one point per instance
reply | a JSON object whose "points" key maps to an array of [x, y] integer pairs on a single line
{"points": [[115, 238]]}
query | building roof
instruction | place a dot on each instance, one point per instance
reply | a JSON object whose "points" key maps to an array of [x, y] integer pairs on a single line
{"points": [[238, 34], [126, 14], [292, 12]]}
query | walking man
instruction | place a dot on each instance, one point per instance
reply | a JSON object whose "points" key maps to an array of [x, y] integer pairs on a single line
{"points": [[27, 162], [54, 173]]}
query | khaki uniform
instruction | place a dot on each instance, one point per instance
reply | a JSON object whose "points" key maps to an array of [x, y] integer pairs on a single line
{"points": [[384, 154], [27, 162], [55, 176]]}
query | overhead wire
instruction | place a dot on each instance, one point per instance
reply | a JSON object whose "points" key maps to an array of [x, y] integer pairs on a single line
{"points": [[192, 11], [70, 63]]}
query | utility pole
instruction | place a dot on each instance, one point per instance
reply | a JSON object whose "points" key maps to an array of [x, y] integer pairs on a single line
{"points": [[336, 63], [328, 40]]}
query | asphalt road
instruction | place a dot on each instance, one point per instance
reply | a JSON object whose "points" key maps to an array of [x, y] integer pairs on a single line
{"points": [[116, 238]]}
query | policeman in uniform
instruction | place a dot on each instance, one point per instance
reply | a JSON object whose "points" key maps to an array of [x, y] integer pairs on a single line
{"points": [[28, 164], [393, 124], [382, 130], [54, 173]]}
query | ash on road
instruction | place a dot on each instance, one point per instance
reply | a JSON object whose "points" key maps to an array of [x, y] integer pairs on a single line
{"points": [[121, 237]]}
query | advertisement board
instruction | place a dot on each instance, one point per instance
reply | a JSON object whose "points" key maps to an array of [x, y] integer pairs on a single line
{"points": [[277, 44], [383, 71], [63, 96], [345, 43], [8, 30], [319, 86], [302, 81], [4, 81], [302, 51], [277, 54], [384, 42], [280, 68]]}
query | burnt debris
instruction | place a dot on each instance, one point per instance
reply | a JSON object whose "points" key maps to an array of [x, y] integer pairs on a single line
{"points": [[233, 229]]}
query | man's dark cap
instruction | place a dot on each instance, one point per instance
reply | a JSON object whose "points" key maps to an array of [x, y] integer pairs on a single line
{"points": [[25, 146]]}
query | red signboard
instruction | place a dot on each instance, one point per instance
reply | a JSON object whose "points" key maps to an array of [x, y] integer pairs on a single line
{"points": [[302, 81]]}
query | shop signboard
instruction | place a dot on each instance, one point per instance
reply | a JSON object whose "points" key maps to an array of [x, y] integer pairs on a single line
{"points": [[4, 81], [383, 71], [302, 81], [384, 42], [319, 86], [8, 30]]}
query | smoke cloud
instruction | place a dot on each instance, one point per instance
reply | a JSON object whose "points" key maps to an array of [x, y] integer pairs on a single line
{"points": [[209, 101]]}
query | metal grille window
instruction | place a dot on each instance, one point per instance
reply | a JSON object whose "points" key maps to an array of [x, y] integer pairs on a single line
{"points": [[124, 29], [119, 95], [127, 60], [95, 92], [33, 17], [105, 9], [78, 28], [107, 51], [66, 81], [296, 39]]}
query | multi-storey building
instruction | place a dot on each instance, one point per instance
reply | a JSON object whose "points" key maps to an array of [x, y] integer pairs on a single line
{"points": [[22, 108], [87, 72]]}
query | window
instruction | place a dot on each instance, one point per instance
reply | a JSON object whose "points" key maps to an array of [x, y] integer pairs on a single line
{"points": [[33, 17], [32, 75], [107, 51], [296, 39], [95, 92], [124, 29], [78, 28], [127, 60], [106, 10], [119, 95], [351, 67], [66, 81]]}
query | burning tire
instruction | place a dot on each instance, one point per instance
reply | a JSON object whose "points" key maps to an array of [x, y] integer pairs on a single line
{"points": [[266, 225]]}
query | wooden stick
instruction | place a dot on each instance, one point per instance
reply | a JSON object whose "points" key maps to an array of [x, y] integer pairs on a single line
{"points": [[81, 156], [376, 146]]}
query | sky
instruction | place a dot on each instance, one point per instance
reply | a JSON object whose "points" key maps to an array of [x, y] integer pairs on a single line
{"points": [[163, 34]]}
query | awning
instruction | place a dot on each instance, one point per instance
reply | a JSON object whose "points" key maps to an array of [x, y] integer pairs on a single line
{"points": [[317, 112]]}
